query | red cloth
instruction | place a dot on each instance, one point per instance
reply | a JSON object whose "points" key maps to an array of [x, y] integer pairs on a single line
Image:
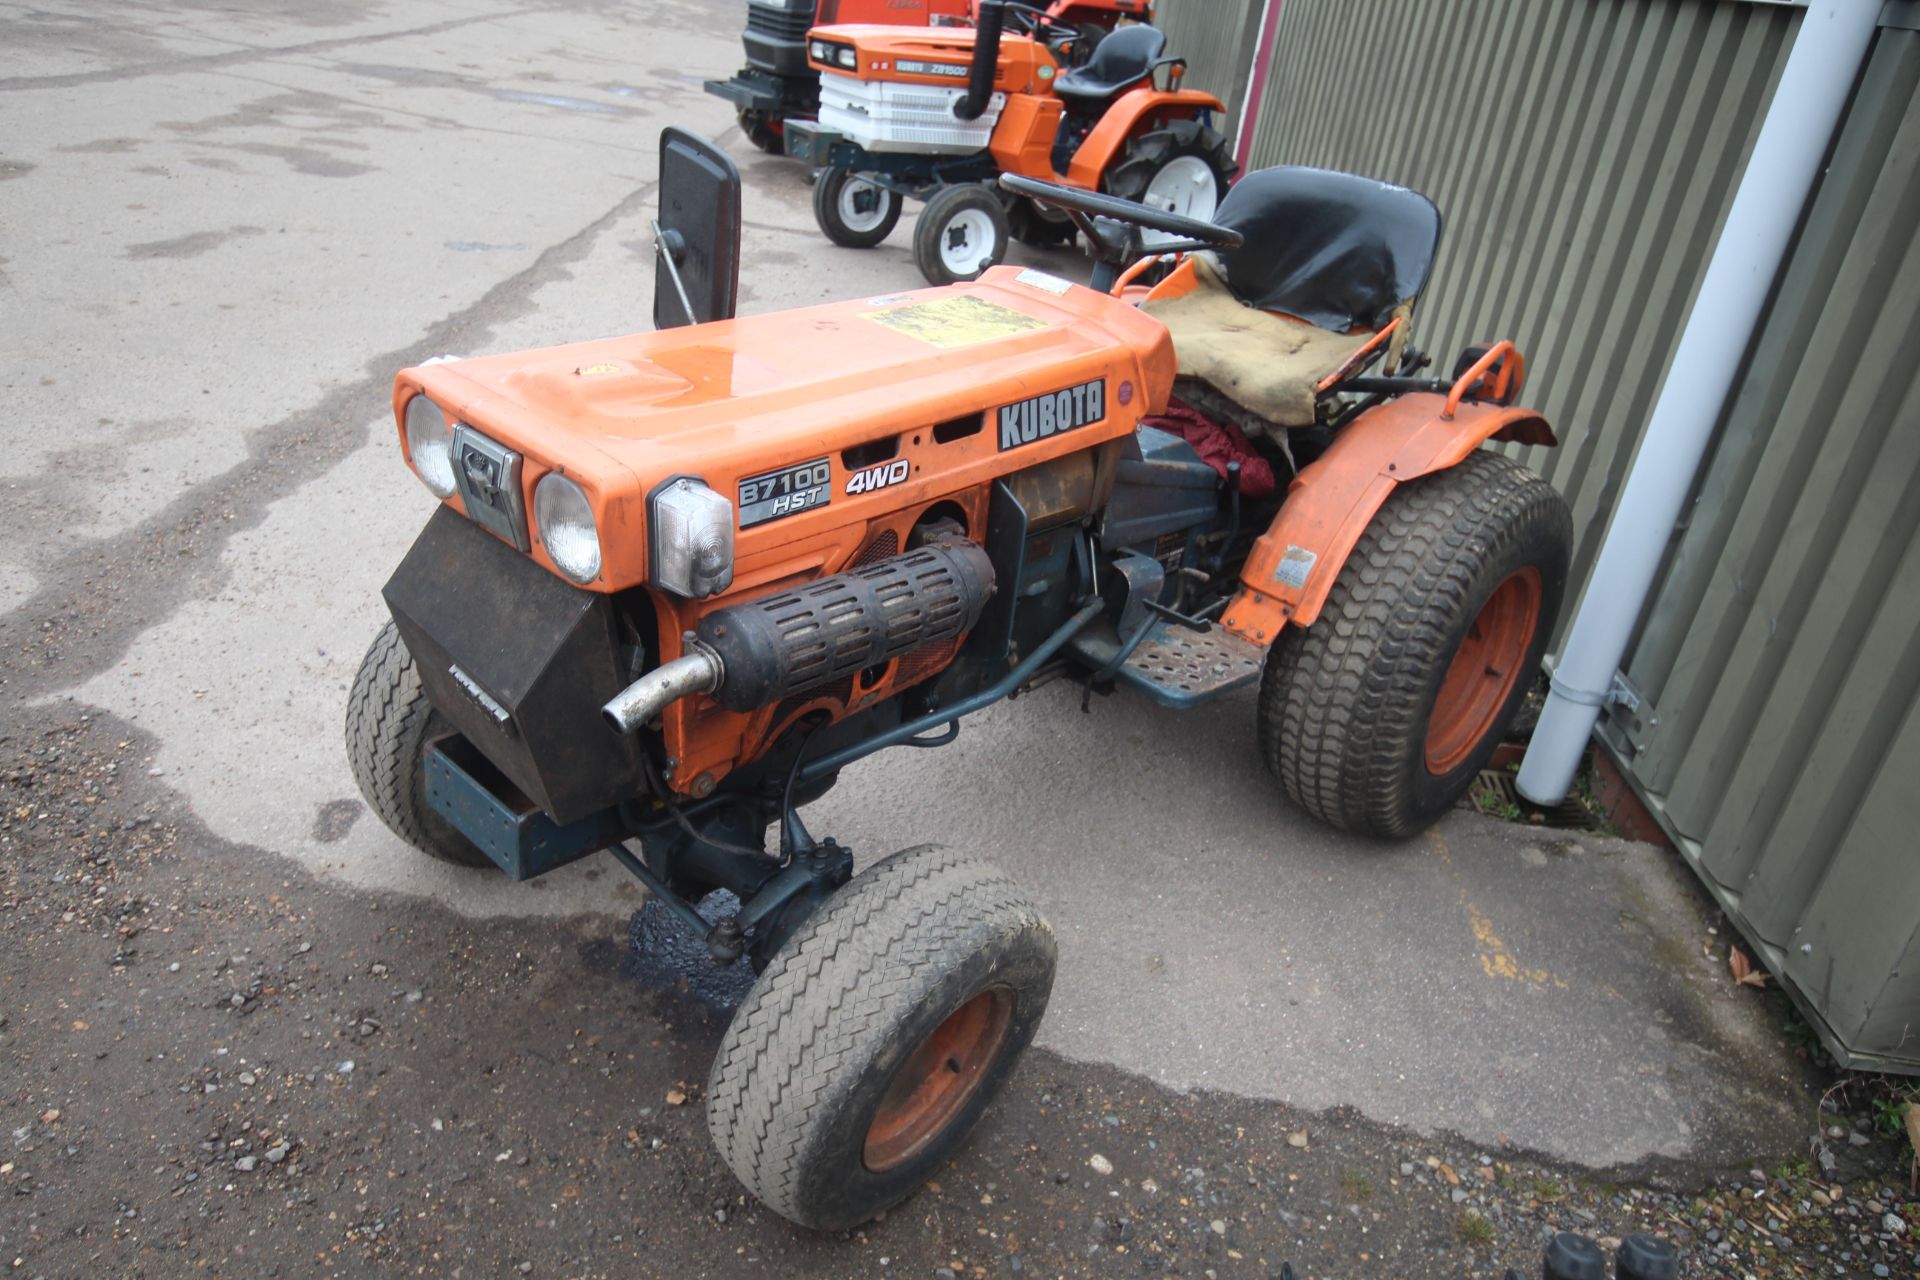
{"points": [[1217, 443]]}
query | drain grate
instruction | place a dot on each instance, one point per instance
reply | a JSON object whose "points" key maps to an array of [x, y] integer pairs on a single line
{"points": [[1493, 793]]}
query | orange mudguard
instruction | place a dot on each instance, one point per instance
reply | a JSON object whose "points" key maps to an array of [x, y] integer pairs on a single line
{"points": [[1330, 503], [1121, 120]]}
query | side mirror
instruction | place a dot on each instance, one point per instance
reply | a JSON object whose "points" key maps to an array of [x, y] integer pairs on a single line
{"points": [[696, 238]]}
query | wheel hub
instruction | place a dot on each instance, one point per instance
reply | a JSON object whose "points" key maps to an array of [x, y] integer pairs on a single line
{"points": [[1484, 670], [936, 1081]]}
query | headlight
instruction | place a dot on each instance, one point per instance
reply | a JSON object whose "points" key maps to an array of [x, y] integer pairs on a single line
{"points": [[690, 529], [822, 50], [846, 57], [565, 520], [430, 442]]}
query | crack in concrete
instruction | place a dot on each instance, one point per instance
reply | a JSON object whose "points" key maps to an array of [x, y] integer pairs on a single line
{"points": [[244, 54], [101, 595]]}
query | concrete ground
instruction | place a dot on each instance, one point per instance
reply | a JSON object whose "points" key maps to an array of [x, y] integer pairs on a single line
{"points": [[222, 231]]}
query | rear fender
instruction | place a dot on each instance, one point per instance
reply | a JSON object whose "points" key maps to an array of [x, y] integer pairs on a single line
{"points": [[1122, 120], [1293, 564]]}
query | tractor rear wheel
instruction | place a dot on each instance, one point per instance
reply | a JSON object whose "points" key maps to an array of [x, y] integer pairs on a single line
{"points": [[877, 1036], [389, 724], [853, 211], [1183, 168], [962, 231], [1377, 717]]}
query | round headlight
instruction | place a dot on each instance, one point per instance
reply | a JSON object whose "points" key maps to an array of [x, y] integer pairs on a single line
{"points": [[565, 519], [431, 445]]}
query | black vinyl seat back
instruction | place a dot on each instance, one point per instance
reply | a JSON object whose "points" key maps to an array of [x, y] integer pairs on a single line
{"points": [[1335, 249], [1119, 62]]}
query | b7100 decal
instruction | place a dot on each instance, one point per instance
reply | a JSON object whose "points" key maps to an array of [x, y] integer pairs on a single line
{"points": [[773, 494]]}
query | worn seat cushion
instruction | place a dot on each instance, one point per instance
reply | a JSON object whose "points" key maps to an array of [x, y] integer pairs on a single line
{"points": [[1270, 365]]}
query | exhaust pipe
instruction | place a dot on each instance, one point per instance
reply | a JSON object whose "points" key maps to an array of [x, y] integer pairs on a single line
{"points": [[699, 670], [795, 641], [986, 60]]}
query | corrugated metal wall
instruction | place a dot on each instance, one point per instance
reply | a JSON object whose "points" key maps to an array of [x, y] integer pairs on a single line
{"points": [[1780, 659], [1582, 152], [1216, 37]]}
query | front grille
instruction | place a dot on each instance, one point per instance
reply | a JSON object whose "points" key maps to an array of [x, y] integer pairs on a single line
{"points": [[781, 23]]}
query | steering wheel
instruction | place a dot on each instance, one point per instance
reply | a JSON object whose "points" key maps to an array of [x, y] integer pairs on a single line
{"points": [[1085, 205], [1031, 20]]}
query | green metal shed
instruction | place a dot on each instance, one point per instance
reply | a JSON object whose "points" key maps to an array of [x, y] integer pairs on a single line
{"points": [[1584, 153]]}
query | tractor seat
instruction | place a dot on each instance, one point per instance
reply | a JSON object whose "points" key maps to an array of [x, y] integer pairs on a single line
{"points": [[1328, 259], [1119, 62]]}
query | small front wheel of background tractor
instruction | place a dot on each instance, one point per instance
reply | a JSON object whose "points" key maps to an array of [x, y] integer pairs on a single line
{"points": [[1377, 717], [762, 132], [853, 211], [389, 723], [962, 232], [1183, 168], [1039, 225], [875, 1039]]}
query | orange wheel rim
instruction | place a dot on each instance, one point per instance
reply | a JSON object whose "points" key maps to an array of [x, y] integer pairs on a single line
{"points": [[938, 1078], [1484, 670]]}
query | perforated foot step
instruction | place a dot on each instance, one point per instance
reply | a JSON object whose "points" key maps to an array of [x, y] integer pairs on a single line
{"points": [[1179, 666]]}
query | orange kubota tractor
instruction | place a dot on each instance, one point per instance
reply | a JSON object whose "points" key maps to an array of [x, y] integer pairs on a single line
{"points": [[777, 84], [678, 581], [937, 115]]}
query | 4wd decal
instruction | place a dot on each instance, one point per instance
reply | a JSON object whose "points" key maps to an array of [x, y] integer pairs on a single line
{"points": [[773, 494], [1039, 417], [867, 479]]}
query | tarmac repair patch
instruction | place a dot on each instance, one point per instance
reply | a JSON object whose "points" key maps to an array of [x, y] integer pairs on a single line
{"points": [[955, 322]]}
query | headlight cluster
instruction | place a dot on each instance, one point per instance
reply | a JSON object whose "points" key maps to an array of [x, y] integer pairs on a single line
{"points": [[838, 55], [565, 519], [430, 442]]}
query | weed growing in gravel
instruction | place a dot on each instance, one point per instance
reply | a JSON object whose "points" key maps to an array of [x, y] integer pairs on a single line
{"points": [[1474, 1229], [1356, 1187]]}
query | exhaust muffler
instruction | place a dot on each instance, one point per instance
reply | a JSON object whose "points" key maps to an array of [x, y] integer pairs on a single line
{"points": [[748, 655]]}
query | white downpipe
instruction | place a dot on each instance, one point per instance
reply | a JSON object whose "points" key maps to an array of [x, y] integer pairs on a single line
{"points": [[1826, 56]]}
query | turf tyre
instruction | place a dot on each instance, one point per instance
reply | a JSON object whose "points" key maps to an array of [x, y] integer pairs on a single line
{"points": [[810, 1057], [1346, 704], [389, 723], [829, 214]]}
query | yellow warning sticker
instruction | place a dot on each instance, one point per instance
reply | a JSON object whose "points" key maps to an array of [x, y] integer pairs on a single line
{"points": [[956, 321]]}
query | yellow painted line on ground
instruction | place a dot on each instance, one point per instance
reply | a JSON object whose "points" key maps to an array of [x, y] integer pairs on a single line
{"points": [[1495, 957]]}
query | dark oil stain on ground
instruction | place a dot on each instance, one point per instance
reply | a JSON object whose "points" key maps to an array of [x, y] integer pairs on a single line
{"points": [[191, 245], [335, 818]]}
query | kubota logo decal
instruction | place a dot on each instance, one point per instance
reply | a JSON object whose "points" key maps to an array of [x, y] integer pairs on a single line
{"points": [[1049, 415]]}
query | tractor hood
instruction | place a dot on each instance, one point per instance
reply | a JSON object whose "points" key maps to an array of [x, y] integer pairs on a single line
{"points": [[918, 376]]}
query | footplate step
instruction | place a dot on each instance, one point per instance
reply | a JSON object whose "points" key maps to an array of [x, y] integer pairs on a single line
{"points": [[1179, 666]]}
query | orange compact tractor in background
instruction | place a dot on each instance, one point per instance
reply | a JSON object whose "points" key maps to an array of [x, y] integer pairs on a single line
{"points": [[777, 84], [937, 115], [678, 581]]}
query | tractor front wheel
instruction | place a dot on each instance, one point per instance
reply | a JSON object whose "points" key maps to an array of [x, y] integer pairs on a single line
{"points": [[389, 724], [1377, 717], [961, 232], [872, 1043], [763, 131], [853, 211], [1183, 168]]}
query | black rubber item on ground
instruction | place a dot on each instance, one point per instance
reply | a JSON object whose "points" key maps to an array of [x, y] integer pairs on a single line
{"points": [[1573, 1257], [1149, 153], [1346, 703], [761, 132], [931, 236], [829, 1031], [389, 722], [826, 211], [1644, 1257]]}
